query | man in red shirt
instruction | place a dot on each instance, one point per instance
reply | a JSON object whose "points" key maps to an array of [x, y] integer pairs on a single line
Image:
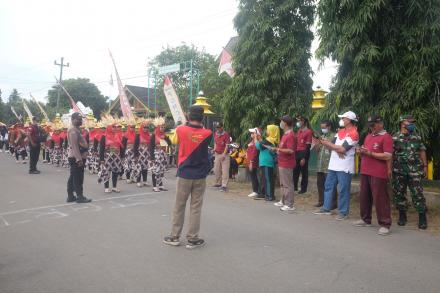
{"points": [[222, 161], [304, 142], [286, 164], [375, 172]]}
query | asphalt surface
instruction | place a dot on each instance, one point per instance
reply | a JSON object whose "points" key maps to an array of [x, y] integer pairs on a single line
{"points": [[115, 244]]}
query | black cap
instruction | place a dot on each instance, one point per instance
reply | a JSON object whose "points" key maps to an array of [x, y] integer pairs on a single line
{"points": [[287, 119], [76, 115], [196, 113], [374, 119]]}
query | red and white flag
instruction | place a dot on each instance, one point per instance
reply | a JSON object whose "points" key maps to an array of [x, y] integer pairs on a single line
{"points": [[125, 105], [74, 106], [173, 101], [226, 64]]}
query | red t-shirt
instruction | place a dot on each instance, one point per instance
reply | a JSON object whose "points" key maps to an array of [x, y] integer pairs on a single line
{"points": [[221, 141], [288, 141], [377, 143], [304, 137], [252, 153]]}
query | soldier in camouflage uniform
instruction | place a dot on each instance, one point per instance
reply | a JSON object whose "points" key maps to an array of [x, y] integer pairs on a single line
{"points": [[409, 167]]}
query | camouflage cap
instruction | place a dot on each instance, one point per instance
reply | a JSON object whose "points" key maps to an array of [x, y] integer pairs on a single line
{"points": [[408, 117]]}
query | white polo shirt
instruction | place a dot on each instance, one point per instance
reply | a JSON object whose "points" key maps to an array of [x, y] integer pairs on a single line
{"points": [[348, 138]]}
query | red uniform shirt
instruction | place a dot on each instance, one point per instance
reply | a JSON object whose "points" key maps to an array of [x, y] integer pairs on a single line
{"points": [[221, 141], [252, 153], [304, 137], [376, 143], [288, 141]]}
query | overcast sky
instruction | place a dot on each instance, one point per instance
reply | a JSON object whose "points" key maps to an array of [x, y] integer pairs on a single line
{"points": [[33, 34]]}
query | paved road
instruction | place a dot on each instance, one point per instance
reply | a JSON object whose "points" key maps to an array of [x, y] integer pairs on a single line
{"points": [[114, 245]]}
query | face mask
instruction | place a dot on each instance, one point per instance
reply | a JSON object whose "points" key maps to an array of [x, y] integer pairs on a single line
{"points": [[341, 123], [324, 130], [410, 127], [298, 124], [282, 126]]}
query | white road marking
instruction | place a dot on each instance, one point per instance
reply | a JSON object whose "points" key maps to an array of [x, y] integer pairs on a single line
{"points": [[67, 204]]}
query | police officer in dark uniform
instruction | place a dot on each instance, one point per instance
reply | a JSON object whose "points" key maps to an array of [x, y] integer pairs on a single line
{"points": [[409, 167]]}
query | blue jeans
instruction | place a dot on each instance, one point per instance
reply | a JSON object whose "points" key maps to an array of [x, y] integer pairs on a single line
{"points": [[335, 178]]}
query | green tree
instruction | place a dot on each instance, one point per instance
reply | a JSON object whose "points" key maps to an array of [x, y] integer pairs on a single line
{"points": [[205, 64], [2, 108], [389, 61], [81, 89], [271, 60]]}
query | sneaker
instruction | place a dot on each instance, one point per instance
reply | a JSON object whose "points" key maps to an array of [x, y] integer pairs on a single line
{"points": [[341, 217], [146, 184], [383, 231], [83, 199], [156, 189], [71, 199], [23, 162], [253, 194], [17, 161], [129, 181], [269, 199], [361, 223], [279, 204], [139, 184], [161, 188], [107, 190], [173, 241], [217, 185], [223, 189], [34, 172], [322, 212], [318, 205], [287, 209], [259, 197], [195, 243], [116, 190]]}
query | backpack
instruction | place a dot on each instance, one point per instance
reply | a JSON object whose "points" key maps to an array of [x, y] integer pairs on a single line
{"points": [[41, 135]]}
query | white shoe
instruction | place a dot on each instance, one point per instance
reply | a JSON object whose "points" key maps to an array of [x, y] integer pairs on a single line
{"points": [[128, 181], [107, 190], [156, 189], [139, 184], [253, 194], [287, 209], [279, 204], [361, 223], [383, 231], [114, 189], [146, 184]]}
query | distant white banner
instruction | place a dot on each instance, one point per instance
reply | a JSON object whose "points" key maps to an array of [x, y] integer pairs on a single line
{"points": [[173, 101], [169, 68]]}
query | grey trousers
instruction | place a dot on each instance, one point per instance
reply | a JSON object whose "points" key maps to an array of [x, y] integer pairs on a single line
{"points": [[186, 188], [286, 183]]}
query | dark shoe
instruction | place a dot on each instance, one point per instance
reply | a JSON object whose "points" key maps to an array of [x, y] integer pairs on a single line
{"points": [[83, 199], [216, 186], [223, 189], [71, 198], [34, 172], [423, 223], [259, 197], [195, 243], [173, 241], [302, 192], [161, 188], [318, 205], [269, 199], [402, 218]]}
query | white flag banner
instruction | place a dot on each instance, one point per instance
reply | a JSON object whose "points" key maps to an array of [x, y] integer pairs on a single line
{"points": [[226, 64], [173, 101], [123, 99], [28, 111], [41, 108]]}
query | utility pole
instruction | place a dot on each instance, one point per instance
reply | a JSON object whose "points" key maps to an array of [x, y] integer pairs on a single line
{"points": [[61, 65]]}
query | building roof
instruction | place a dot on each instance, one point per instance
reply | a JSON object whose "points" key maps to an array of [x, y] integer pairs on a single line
{"points": [[141, 93], [231, 45]]}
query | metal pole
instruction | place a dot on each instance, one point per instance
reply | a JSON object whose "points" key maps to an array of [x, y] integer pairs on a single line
{"points": [[198, 81], [61, 65], [148, 89], [155, 97]]}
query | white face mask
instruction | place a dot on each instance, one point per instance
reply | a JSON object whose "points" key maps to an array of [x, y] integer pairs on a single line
{"points": [[282, 125], [324, 130], [298, 124], [341, 123]]}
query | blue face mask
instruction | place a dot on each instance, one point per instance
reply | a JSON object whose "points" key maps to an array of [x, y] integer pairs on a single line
{"points": [[410, 127]]}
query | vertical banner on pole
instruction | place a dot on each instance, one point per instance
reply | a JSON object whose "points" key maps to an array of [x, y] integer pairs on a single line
{"points": [[74, 106], [125, 105], [173, 101], [28, 111], [41, 108]]}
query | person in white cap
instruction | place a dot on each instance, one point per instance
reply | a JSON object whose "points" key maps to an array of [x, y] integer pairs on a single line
{"points": [[341, 166], [252, 158]]}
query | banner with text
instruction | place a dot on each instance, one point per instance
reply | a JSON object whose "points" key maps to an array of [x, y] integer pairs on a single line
{"points": [[173, 101]]}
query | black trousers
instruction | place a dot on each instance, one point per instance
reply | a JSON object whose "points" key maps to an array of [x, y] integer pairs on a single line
{"points": [[303, 170], [255, 180], [76, 179], [153, 176], [114, 180], [144, 175], [23, 154], [34, 156], [320, 182]]}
